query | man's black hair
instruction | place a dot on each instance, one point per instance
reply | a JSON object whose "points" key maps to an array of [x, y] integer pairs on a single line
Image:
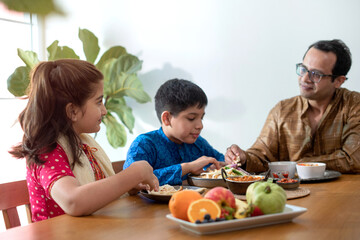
{"points": [[342, 52]]}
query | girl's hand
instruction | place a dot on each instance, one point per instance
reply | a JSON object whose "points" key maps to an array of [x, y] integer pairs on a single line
{"points": [[138, 188], [234, 154], [147, 178]]}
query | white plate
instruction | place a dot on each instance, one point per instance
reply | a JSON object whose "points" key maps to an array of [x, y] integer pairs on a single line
{"points": [[289, 213], [328, 175], [165, 198]]}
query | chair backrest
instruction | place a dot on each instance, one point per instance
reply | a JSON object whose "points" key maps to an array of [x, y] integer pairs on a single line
{"points": [[14, 194], [118, 166]]}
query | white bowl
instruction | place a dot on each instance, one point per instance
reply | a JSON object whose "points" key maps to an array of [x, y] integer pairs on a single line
{"points": [[276, 167], [310, 170]]}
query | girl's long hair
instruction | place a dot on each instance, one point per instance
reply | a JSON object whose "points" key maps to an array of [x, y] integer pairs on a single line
{"points": [[54, 84]]}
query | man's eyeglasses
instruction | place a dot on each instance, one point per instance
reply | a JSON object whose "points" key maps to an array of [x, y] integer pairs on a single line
{"points": [[314, 76]]}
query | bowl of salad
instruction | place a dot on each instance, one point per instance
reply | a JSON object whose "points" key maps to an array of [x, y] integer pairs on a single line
{"points": [[213, 178]]}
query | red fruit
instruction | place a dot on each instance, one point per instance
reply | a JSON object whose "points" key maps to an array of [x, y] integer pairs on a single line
{"points": [[256, 211], [225, 199]]}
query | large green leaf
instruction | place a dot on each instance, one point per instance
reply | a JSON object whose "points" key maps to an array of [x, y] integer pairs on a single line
{"points": [[113, 52], [58, 52], [30, 58], [115, 132], [123, 111], [128, 85], [128, 64], [123, 80], [90, 44], [19, 81], [120, 80], [40, 7], [106, 71]]}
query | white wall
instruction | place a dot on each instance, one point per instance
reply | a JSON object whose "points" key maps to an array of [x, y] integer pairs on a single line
{"points": [[242, 53]]}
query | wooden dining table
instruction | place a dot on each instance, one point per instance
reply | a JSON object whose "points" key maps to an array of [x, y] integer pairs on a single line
{"points": [[333, 212]]}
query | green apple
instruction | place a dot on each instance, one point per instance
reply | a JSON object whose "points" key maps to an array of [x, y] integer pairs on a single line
{"points": [[269, 197]]}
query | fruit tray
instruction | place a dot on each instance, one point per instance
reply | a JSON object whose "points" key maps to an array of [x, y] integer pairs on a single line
{"points": [[290, 212]]}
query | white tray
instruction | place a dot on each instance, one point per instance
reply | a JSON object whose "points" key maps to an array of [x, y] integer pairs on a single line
{"points": [[287, 215]]}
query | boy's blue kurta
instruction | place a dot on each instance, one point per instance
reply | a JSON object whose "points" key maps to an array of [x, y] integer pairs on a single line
{"points": [[166, 156]]}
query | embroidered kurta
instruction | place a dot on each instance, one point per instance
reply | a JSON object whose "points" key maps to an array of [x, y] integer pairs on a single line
{"points": [[286, 135], [166, 156]]}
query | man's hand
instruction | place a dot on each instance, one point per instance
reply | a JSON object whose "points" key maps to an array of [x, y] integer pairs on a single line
{"points": [[234, 154]]}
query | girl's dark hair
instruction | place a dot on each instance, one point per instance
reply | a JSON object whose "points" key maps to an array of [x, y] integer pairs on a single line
{"points": [[54, 84], [176, 95]]}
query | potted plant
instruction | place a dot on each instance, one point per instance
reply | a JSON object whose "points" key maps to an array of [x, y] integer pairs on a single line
{"points": [[120, 79]]}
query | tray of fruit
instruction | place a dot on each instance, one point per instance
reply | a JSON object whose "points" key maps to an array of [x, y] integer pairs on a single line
{"points": [[219, 211]]}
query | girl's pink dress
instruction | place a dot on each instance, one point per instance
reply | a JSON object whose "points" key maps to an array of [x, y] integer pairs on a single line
{"points": [[40, 179]]}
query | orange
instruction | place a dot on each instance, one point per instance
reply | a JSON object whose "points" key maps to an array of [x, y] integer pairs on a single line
{"points": [[199, 208], [180, 201]]}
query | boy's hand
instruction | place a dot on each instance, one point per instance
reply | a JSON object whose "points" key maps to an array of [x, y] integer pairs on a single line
{"points": [[196, 167], [233, 154], [213, 167]]}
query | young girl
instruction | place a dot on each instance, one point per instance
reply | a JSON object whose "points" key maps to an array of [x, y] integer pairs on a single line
{"points": [[67, 171]]}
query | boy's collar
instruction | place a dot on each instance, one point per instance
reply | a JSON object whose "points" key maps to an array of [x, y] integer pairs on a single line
{"points": [[167, 139]]}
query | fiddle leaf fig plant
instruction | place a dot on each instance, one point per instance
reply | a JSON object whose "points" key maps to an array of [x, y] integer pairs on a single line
{"points": [[40, 7], [120, 80]]}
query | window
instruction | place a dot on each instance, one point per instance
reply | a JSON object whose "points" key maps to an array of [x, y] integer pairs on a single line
{"points": [[18, 30]]}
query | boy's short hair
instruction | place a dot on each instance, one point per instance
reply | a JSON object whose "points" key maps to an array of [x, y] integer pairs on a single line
{"points": [[176, 95]]}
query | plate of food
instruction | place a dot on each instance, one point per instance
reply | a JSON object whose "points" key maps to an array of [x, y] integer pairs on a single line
{"points": [[290, 212], [328, 175], [166, 191], [213, 178]]}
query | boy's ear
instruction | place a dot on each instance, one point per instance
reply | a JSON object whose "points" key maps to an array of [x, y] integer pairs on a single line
{"points": [[71, 111], [165, 118]]}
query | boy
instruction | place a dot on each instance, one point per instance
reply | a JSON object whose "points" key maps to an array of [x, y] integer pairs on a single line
{"points": [[177, 148]]}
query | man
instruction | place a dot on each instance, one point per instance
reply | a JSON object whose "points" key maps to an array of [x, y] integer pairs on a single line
{"points": [[320, 125]]}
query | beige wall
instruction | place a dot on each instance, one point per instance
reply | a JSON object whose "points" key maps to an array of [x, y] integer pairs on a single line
{"points": [[242, 53]]}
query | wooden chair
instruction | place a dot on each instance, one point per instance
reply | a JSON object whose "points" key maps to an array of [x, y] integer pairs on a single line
{"points": [[118, 165], [14, 194]]}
